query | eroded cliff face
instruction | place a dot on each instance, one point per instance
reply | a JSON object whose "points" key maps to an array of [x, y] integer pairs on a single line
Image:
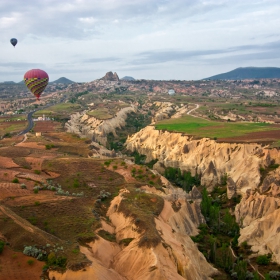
{"points": [[259, 215], [175, 258], [87, 126], [211, 160], [258, 212]]}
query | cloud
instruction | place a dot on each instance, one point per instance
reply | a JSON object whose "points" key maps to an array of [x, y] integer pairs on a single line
{"points": [[21, 65], [101, 59], [268, 51]]}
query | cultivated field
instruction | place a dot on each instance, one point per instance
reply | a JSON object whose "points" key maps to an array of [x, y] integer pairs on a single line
{"points": [[61, 109], [226, 131], [46, 126], [102, 114]]}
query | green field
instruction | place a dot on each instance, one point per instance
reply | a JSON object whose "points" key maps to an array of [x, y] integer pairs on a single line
{"points": [[203, 128], [60, 109], [101, 114], [14, 118]]}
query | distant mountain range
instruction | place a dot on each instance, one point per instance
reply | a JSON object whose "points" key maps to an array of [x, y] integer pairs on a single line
{"points": [[62, 80], [248, 73], [9, 82], [127, 78]]}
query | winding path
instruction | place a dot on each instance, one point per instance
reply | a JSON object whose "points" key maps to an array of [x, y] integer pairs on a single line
{"points": [[189, 112]]}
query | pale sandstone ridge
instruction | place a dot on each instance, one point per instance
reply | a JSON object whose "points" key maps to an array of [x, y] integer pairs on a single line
{"points": [[175, 258], [96, 129], [209, 159], [259, 215]]}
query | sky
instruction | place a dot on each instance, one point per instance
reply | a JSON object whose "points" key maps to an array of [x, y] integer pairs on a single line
{"points": [[146, 39]]}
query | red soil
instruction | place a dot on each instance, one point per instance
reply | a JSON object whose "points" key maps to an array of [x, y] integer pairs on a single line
{"points": [[14, 265], [264, 136], [45, 126]]}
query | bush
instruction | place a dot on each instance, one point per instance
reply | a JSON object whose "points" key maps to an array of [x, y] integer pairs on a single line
{"points": [[274, 274], [263, 260], [2, 244], [30, 262], [15, 180]]}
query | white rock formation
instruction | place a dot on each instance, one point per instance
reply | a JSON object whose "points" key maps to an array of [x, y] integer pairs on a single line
{"points": [[85, 125], [209, 159]]}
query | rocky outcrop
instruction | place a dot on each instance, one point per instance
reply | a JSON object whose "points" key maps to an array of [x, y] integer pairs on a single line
{"points": [[111, 77], [96, 129], [259, 215], [211, 160], [164, 111], [175, 258]]}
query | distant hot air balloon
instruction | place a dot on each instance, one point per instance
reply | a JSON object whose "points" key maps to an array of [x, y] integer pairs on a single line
{"points": [[13, 41], [36, 80]]}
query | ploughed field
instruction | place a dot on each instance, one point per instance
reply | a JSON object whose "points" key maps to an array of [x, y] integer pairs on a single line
{"points": [[222, 131]]}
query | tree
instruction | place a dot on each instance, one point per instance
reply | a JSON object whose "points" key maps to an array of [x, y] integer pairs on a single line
{"points": [[205, 204], [226, 260], [213, 249], [241, 269]]}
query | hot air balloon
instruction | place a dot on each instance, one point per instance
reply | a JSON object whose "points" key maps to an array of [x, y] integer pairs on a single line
{"points": [[36, 80], [13, 41]]}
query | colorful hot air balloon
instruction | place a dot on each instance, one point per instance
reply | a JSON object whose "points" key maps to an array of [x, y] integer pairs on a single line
{"points": [[36, 80], [13, 41]]}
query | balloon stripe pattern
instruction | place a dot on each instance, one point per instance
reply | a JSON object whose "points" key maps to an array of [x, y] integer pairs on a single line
{"points": [[36, 81]]}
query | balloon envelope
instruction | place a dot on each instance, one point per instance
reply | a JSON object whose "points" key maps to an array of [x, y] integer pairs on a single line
{"points": [[13, 41], [36, 80]]}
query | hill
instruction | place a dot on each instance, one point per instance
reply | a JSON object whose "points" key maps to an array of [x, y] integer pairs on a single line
{"points": [[8, 82], [62, 80], [127, 78], [248, 73]]}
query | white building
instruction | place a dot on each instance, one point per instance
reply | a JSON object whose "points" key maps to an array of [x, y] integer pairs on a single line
{"points": [[171, 92]]}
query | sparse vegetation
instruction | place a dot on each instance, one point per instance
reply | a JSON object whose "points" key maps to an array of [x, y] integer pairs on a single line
{"points": [[2, 244], [15, 180]]}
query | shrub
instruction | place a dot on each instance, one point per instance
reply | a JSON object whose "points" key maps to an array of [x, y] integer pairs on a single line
{"points": [[49, 146], [274, 274], [263, 260], [51, 258], [37, 172], [30, 262], [15, 180], [2, 244]]}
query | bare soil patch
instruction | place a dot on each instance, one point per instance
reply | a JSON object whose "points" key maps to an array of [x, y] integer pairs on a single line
{"points": [[14, 152], [14, 265], [6, 162], [32, 145], [264, 136], [12, 190], [46, 126]]}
